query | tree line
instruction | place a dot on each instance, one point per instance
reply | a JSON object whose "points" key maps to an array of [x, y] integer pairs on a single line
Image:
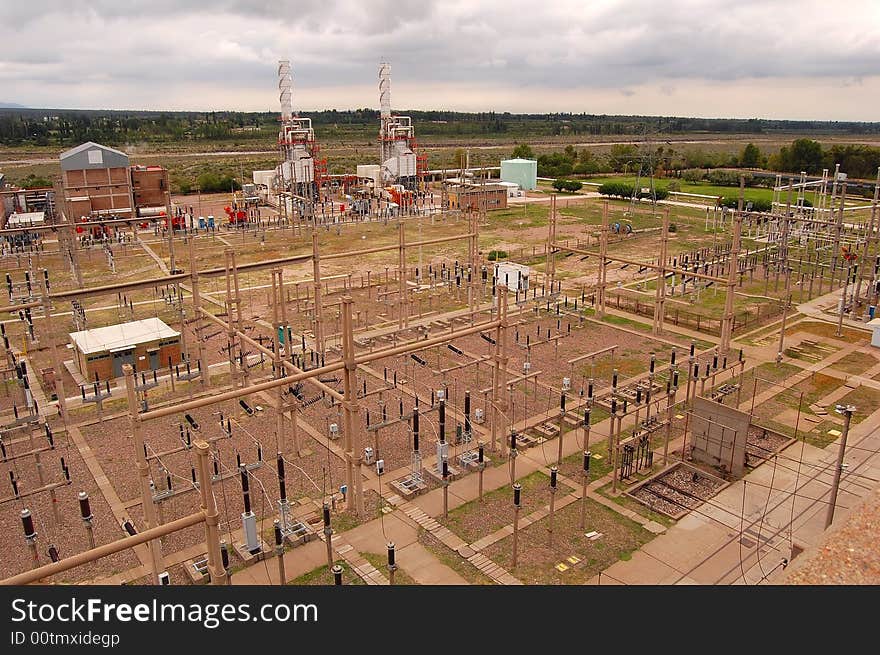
{"points": [[857, 161], [62, 127]]}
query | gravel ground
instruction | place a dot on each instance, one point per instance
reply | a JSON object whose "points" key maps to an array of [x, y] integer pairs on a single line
{"points": [[678, 491], [847, 554]]}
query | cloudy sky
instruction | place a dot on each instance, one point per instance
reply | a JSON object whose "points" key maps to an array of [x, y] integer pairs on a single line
{"points": [[801, 59]]}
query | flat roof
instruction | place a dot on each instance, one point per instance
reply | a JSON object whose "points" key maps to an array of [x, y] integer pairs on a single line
{"points": [[121, 336], [25, 219]]}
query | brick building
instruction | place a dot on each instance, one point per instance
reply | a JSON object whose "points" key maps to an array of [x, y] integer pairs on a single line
{"points": [[147, 345], [100, 181], [467, 196]]}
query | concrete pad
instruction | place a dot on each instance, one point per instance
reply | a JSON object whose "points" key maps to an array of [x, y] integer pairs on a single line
{"points": [[654, 527], [642, 569]]}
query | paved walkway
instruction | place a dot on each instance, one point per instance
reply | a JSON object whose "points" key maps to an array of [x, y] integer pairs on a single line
{"points": [[741, 535]]}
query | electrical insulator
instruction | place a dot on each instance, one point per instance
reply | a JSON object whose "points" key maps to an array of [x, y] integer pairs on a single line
{"points": [[517, 494], [553, 475], [587, 456], [85, 508], [27, 522]]}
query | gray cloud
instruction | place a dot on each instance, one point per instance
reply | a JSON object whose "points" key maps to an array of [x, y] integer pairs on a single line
{"points": [[107, 53]]}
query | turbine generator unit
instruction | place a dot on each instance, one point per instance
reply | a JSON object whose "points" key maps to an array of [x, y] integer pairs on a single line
{"points": [[400, 163], [302, 172]]}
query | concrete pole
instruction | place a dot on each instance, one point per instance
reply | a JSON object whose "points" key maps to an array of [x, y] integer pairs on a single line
{"points": [[353, 439], [835, 485], [841, 309], [727, 324], [392, 565], [670, 401], [603, 268], [168, 216], [278, 299], [328, 534], [553, 489], [482, 464], [245, 375], [838, 229], [660, 291], [550, 264], [586, 476], [561, 431], [204, 378], [143, 468], [499, 367], [316, 281], [56, 360], [517, 503], [402, 296], [279, 551], [212, 516], [230, 330]]}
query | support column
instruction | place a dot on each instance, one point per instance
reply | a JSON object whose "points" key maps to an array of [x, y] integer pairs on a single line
{"points": [[660, 291], [499, 368], [316, 281], [402, 296], [216, 571], [353, 439], [733, 265], [603, 268], [204, 378], [550, 264], [143, 469]]}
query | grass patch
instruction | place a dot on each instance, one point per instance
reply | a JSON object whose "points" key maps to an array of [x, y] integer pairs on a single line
{"points": [[451, 559], [323, 576], [476, 519], [380, 562], [536, 559], [855, 363]]}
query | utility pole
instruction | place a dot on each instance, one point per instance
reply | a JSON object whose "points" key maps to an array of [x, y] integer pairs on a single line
{"points": [[842, 308], [279, 550], [586, 475], [553, 488], [784, 257], [392, 566], [847, 411], [517, 505]]}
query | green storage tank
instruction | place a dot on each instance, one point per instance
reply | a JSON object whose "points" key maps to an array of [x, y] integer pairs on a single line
{"points": [[521, 171]]}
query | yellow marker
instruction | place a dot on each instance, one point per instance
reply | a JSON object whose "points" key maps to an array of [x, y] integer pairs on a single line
{"points": [[834, 433], [573, 559], [597, 456], [561, 567], [679, 416]]}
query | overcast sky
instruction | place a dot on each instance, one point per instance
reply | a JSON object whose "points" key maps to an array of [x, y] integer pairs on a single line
{"points": [[801, 59]]}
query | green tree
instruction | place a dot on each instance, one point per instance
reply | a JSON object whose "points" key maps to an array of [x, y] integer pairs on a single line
{"points": [[573, 185], [523, 151], [559, 184], [459, 158], [750, 156]]}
